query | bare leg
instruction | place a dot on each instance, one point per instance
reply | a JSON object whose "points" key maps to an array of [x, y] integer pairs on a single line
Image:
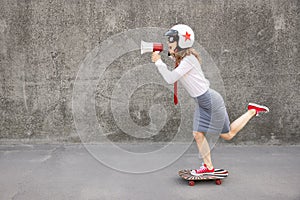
{"points": [[235, 127], [204, 148], [238, 124]]}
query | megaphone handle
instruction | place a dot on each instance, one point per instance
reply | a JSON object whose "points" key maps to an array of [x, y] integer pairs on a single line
{"points": [[157, 52]]}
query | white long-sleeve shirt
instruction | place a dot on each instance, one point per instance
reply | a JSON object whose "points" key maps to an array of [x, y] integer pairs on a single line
{"points": [[189, 74]]}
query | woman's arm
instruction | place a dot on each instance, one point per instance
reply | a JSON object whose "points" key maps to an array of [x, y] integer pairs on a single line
{"points": [[173, 76]]}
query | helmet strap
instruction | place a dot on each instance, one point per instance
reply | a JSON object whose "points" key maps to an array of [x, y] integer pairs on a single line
{"points": [[177, 49]]}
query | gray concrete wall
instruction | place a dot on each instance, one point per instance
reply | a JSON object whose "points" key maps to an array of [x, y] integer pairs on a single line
{"points": [[253, 43]]}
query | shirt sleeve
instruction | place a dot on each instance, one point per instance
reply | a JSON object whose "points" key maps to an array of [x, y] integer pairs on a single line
{"points": [[173, 76]]}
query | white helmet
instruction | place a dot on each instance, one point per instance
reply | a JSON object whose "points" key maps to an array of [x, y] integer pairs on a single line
{"points": [[183, 34]]}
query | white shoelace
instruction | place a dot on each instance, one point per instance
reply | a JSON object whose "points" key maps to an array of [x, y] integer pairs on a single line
{"points": [[202, 168]]}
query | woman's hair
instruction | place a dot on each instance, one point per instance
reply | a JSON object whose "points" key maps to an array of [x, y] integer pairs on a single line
{"points": [[186, 52]]}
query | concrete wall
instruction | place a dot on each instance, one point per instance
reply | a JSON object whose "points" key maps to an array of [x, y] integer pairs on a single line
{"points": [[253, 43]]}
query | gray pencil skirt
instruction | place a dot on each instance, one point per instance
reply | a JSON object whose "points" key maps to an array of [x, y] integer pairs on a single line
{"points": [[210, 113]]}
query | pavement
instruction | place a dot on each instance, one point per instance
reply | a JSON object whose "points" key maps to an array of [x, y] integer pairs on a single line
{"points": [[67, 171]]}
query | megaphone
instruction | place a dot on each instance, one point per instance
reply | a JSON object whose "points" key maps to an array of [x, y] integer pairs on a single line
{"points": [[151, 47]]}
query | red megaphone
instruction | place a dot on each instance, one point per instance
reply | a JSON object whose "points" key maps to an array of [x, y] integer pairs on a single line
{"points": [[151, 47]]}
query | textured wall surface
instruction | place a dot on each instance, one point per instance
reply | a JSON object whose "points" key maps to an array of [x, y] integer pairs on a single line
{"points": [[255, 45]]}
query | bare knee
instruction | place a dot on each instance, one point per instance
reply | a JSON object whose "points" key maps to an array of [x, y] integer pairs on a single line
{"points": [[198, 135], [226, 136]]}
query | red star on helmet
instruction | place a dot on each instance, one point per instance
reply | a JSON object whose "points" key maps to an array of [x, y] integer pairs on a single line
{"points": [[187, 36]]}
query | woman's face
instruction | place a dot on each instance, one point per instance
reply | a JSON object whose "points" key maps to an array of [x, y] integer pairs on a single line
{"points": [[171, 47]]}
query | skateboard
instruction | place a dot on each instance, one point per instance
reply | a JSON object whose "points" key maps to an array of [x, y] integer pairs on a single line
{"points": [[218, 175]]}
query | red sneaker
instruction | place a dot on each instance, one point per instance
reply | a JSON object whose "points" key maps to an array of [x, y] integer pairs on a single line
{"points": [[259, 108], [203, 170]]}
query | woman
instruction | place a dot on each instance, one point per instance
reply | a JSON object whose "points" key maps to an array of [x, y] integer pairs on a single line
{"points": [[210, 115]]}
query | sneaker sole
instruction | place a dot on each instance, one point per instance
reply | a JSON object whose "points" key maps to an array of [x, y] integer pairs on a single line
{"points": [[210, 173], [259, 106]]}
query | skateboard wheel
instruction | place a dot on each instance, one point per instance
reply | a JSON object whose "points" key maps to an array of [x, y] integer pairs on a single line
{"points": [[191, 183], [218, 182]]}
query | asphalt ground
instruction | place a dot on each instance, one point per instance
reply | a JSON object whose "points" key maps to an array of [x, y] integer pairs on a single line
{"points": [[72, 172]]}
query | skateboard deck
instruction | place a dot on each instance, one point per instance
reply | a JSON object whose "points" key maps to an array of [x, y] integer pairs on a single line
{"points": [[218, 175]]}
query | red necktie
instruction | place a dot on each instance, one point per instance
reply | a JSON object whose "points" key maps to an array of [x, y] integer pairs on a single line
{"points": [[175, 88]]}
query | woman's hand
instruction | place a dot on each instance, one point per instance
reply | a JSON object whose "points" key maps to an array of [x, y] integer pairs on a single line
{"points": [[155, 57]]}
